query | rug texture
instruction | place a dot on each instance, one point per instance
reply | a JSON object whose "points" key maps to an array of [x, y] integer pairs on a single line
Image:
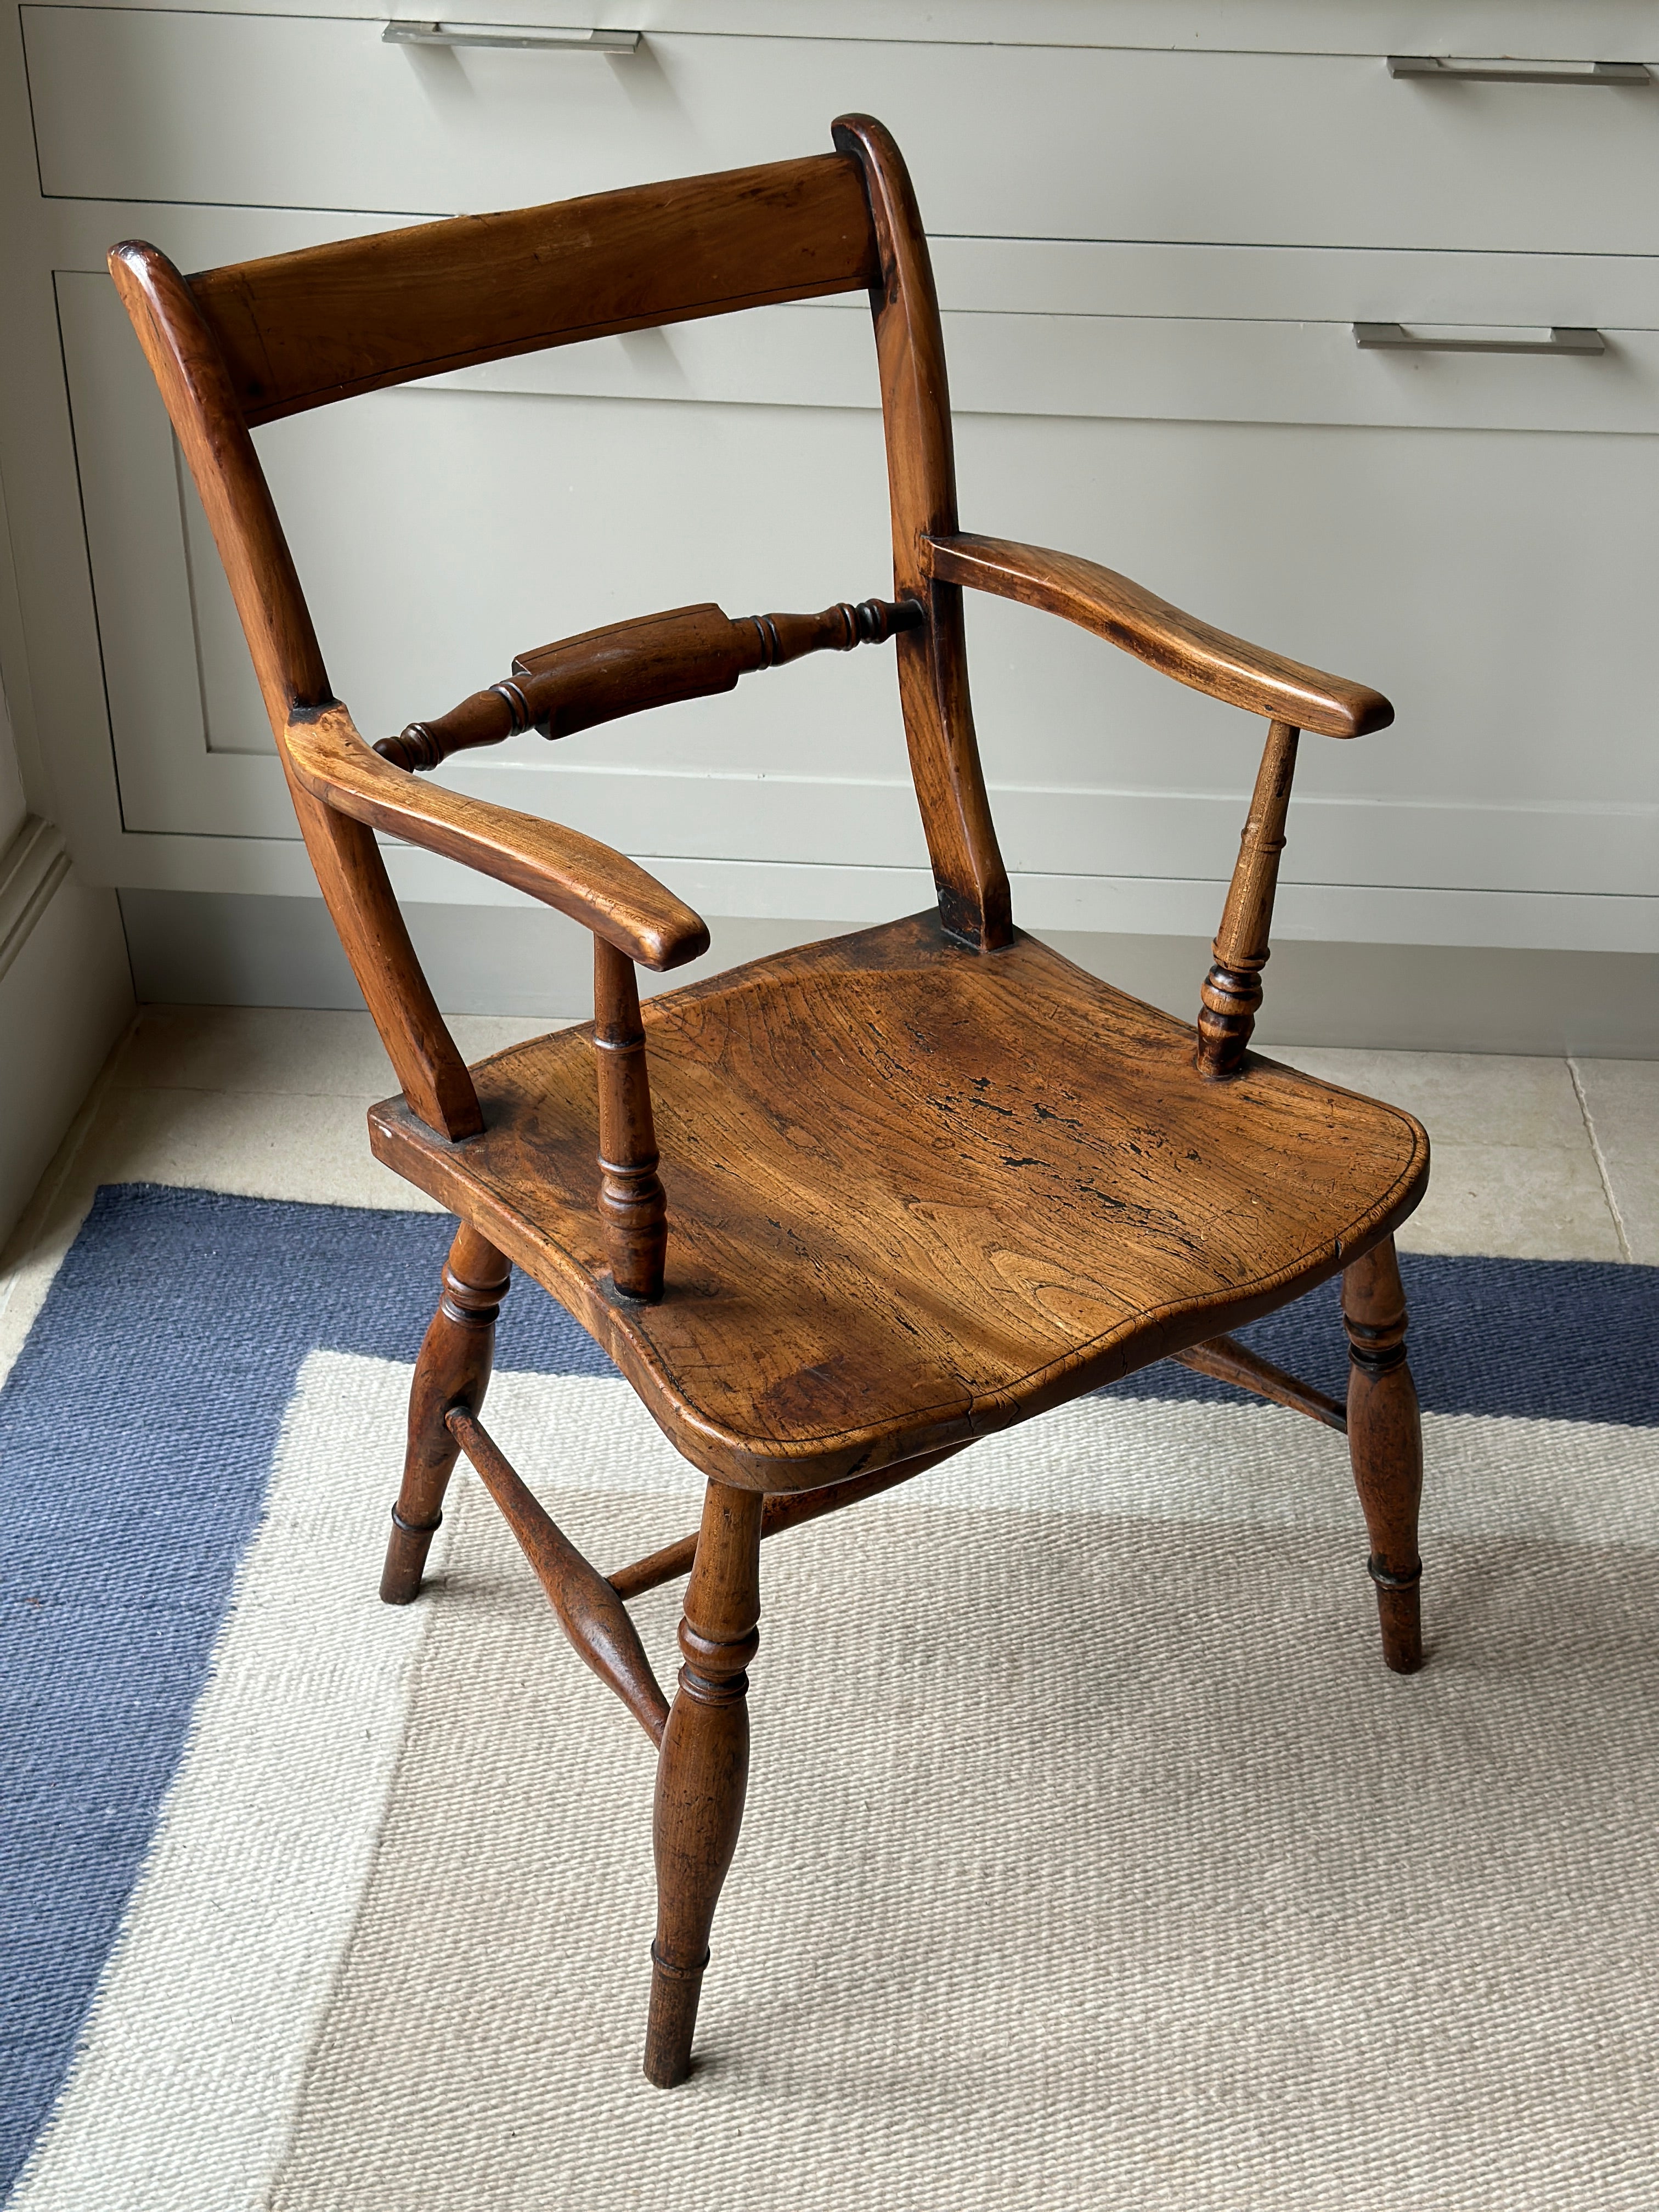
{"points": [[1092, 1856]]}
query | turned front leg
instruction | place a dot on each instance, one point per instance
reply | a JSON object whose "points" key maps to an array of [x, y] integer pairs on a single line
{"points": [[452, 1369], [702, 1769], [1385, 1443]]}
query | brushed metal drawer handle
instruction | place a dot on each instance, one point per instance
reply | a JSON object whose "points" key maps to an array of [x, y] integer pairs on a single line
{"points": [[511, 35], [1562, 339], [1511, 72]]}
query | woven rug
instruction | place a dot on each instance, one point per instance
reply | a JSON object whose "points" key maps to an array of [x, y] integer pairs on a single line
{"points": [[1091, 1858]]}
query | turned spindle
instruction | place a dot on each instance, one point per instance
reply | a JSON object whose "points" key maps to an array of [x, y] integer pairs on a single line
{"points": [[632, 1203], [1232, 989], [784, 638], [485, 718], [655, 660]]}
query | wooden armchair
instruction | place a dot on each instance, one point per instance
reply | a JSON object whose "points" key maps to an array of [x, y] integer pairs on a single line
{"points": [[923, 1181]]}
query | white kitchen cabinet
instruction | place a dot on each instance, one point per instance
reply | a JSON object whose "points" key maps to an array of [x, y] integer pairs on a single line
{"points": [[1151, 257], [1032, 141]]}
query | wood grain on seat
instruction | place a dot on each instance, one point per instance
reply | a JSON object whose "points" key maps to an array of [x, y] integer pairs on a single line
{"points": [[915, 1193]]}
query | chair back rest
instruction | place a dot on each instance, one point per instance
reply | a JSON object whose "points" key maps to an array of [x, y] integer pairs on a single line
{"points": [[299, 330], [237, 346]]}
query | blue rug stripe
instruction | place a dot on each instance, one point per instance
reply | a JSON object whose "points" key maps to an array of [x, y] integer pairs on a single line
{"points": [[1537, 1340], [136, 1437]]}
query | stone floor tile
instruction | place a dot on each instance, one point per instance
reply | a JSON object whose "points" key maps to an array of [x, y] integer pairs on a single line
{"points": [[258, 1144], [1460, 1097], [1518, 1202], [292, 1050]]}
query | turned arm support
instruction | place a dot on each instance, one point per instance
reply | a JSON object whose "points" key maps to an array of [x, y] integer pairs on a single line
{"points": [[632, 918], [1232, 989], [1293, 697], [633, 1208], [1127, 616], [603, 890], [654, 660]]}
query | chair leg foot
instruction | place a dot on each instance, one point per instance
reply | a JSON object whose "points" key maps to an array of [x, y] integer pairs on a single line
{"points": [[1385, 1441], [453, 1369], [1400, 1615], [405, 1559], [703, 1770], [674, 1994]]}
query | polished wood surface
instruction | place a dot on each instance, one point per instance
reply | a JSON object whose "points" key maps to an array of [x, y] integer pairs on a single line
{"points": [[921, 481], [607, 893], [1385, 1441], [183, 352], [1221, 1357], [790, 1510], [916, 1194], [452, 1369], [596, 1622], [1126, 615], [840, 1212], [654, 660], [1232, 990], [299, 330], [632, 1205], [704, 1771]]}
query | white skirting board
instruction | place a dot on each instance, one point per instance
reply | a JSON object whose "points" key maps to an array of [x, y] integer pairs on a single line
{"points": [[66, 997], [209, 948]]}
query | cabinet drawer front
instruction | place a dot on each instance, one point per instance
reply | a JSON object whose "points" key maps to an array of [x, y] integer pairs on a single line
{"points": [[1147, 368], [1021, 141]]}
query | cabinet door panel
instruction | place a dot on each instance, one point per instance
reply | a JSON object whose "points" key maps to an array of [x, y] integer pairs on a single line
{"points": [[1281, 149]]}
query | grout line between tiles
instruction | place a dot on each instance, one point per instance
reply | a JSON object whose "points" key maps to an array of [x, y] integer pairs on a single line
{"points": [[253, 1090], [1600, 1164]]}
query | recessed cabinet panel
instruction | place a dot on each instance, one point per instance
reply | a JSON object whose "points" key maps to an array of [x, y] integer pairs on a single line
{"points": [[1491, 583], [1261, 148]]}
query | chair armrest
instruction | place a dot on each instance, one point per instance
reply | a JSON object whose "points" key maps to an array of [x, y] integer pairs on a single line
{"points": [[1126, 615], [601, 889]]}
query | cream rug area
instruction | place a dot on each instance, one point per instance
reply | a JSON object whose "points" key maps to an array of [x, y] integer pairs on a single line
{"points": [[1092, 1859]]}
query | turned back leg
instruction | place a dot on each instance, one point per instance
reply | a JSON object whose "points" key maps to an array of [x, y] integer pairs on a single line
{"points": [[453, 1369], [1385, 1441], [703, 1770]]}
